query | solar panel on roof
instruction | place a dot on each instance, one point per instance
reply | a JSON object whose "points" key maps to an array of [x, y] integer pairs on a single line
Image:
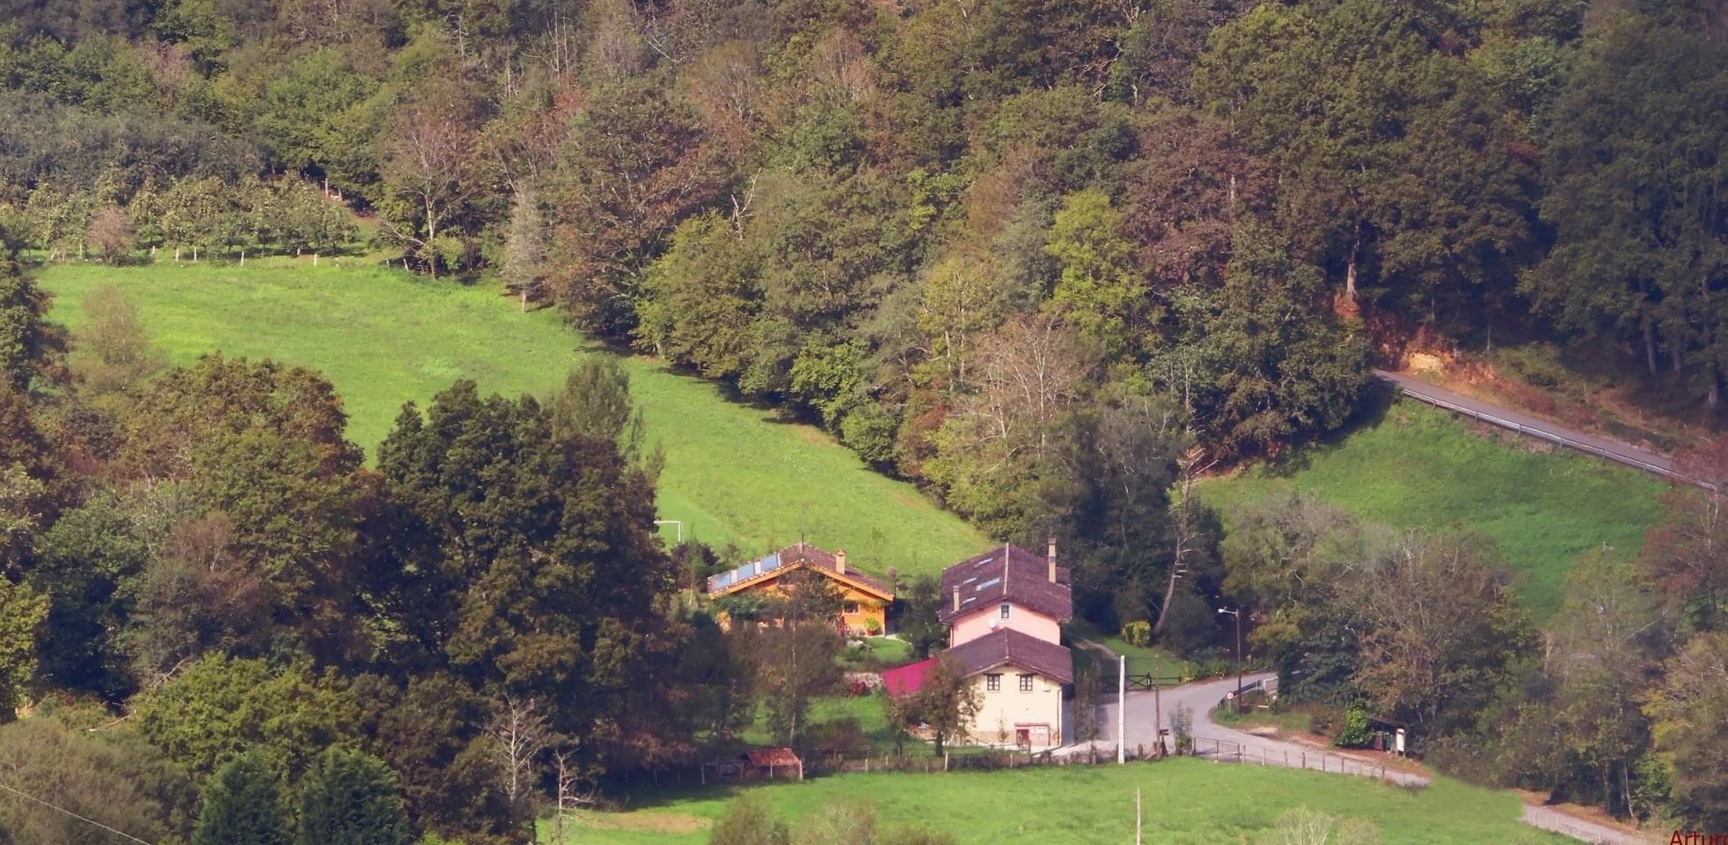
{"points": [[988, 584], [771, 562]]}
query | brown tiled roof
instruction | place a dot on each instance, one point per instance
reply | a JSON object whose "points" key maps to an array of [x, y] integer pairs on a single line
{"points": [[1006, 573], [799, 556], [1008, 646], [771, 757]]}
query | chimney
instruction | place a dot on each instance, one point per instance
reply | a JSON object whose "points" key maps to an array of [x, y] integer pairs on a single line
{"points": [[956, 598], [1051, 555], [840, 561]]}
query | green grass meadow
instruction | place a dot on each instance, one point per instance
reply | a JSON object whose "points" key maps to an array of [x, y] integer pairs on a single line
{"points": [[734, 473], [1186, 802], [1419, 467], [738, 474]]}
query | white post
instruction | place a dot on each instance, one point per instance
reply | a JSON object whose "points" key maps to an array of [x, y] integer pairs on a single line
{"points": [[1121, 706]]}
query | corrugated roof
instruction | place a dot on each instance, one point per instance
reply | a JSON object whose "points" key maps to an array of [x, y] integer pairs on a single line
{"points": [[1006, 573], [1008, 646]]}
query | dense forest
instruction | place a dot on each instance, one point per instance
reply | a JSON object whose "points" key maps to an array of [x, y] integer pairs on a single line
{"points": [[1050, 260]]}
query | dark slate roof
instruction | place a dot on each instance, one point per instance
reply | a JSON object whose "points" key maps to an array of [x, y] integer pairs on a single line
{"points": [[1015, 649], [1006, 573], [798, 556]]}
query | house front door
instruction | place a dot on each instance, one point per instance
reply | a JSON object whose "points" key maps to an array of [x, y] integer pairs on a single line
{"points": [[1032, 736]]}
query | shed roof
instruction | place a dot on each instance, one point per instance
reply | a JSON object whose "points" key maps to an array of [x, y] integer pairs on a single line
{"points": [[771, 757], [1006, 573], [1011, 647]]}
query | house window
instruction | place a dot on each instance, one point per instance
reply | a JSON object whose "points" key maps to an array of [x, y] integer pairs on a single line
{"points": [[993, 683], [851, 607], [1025, 683], [1004, 610]]}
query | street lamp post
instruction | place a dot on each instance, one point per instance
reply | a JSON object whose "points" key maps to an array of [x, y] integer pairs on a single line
{"points": [[1238, 614]]}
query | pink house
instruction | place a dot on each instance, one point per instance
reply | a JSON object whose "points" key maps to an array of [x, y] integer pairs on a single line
{"points": [[1004, 611], [1006, 588]]}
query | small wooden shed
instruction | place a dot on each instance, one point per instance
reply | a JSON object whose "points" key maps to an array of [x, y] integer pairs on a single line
{"points": [[770, 763]]}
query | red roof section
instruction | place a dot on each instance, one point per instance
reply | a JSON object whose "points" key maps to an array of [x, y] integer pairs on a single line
{"points": [[908, 679]]}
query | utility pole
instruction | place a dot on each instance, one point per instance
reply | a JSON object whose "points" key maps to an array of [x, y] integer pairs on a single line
{"points": [[1238, 614], [1121, 708], [1137, 816], [1157, 717]]}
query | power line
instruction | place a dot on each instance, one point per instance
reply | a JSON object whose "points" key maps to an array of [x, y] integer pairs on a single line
{"points": [[83, 819]]}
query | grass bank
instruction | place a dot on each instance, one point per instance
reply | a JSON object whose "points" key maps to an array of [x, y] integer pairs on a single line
{"points": [[1413, 466], [734, 473], [1186, 801]]}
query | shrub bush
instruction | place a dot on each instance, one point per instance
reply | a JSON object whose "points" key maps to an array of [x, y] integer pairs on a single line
{"points": [[1355, 733], [1138, 633]]}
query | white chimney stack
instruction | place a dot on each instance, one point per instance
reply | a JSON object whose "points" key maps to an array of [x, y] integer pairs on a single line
{"points": [[956, 598], [840, 561], [1051, 555]]}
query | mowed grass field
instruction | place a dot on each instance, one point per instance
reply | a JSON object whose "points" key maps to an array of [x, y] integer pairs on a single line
{"points": [[1185, 801], [1418, 467], [734, 474]]}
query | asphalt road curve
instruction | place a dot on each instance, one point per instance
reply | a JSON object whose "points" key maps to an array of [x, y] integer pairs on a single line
{"points": [[1601, 447]]}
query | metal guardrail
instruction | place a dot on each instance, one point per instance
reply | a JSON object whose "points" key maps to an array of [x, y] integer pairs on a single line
{"points": [[1232, 751], [1540, 434]]}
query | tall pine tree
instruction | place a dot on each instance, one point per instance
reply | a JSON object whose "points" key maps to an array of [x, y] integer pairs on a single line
{"points": [[243, 806], [351, 798]]}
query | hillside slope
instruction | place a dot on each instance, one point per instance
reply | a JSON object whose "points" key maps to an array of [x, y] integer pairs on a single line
{"points": [[734, 474], [1418, 467]]}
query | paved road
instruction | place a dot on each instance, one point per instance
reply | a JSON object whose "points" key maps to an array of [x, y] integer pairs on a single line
{"points": [[1214, 740], [1601, 447], [1219, 742]]}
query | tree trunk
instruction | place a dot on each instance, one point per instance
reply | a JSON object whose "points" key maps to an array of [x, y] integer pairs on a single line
{"points": [[1350, 269], [1650, 346]]}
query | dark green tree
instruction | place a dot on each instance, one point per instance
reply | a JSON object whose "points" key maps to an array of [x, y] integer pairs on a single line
{"points": [[1636, 198], [1264, 363], [28, 342], [350, 798], [243, 803], [527, 562]]}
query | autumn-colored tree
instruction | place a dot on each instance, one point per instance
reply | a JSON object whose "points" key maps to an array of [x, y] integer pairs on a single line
{"points": [[1687, 554], [637, 161], [111, 233]]}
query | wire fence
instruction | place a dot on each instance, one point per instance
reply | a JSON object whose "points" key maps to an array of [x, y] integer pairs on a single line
{"points": [[1233, 751]]}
